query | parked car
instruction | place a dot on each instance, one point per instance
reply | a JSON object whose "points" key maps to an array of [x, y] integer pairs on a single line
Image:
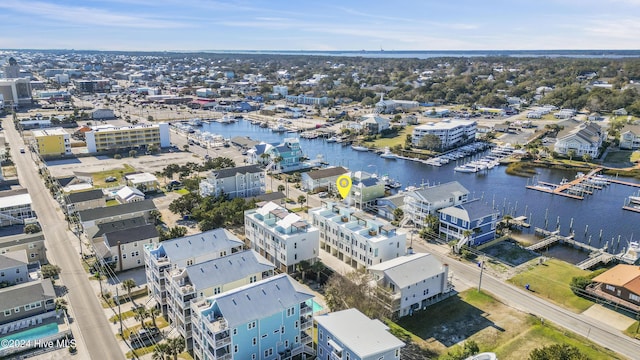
{"points": [[110, 179], [323, 194]]}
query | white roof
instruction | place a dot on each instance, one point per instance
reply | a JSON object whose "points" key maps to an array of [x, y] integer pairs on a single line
{"points": [[141, 178], [267, 208], [364, 336], [128, 192], [409, 269], [445, 124], [15, 200], [49, 132]]}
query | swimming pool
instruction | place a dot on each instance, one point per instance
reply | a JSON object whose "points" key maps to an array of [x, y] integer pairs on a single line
{"points": [[31, 334], [315, 307]]}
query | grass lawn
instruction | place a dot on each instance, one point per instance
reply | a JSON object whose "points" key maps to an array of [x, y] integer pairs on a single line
{"points": [[182, 191], [542, 335], [185, 356], [635, 156], [619, 157], [160, 321], [9, 171], [99, 177], [112, 202], [551, 281], [125, 315], [392, 141], [634, 330]]}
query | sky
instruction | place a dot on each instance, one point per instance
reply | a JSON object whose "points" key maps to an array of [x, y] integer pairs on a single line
{"points": [[165, 25]]}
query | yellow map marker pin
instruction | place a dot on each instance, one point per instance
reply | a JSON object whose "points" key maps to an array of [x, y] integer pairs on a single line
{"points": [[344, 185]]}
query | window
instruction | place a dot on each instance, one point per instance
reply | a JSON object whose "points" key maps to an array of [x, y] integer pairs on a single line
{"points": [[634, 297], [254, 341], [296, 325], [610, 288], [18, 271], [16, 310], [321, 334], [235, 331], [397, 352], [32, 255], [253, 356], [282, 329], [251, 325], [124, 256], [235, 348], [268, 352], [286, 343], [7, 312]]}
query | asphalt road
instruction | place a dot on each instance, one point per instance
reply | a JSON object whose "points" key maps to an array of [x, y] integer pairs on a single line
{"points": [[95, 339], [523, 300]]}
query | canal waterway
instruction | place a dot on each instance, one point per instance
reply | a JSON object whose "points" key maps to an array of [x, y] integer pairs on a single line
{"points": [[600, 213]]}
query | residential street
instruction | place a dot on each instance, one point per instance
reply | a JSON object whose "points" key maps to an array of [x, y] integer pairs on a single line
{"points": [[94, 336]]}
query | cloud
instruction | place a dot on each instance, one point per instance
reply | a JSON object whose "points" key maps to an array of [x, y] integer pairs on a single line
{"points": [[80, 15]]}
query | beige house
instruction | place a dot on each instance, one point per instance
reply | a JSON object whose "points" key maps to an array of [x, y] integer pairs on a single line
{"points": [[33, 244], [84, 200], [145, 182]]}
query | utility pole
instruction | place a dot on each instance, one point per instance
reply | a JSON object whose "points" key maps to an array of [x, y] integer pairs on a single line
{"points": [[119, 313], [481, 264]]}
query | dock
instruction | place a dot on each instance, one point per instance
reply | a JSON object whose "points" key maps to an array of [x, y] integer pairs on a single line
{"points": [[574, 189]]}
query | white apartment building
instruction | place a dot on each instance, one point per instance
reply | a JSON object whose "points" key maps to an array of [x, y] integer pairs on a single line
{"points": [[241, 181], [355, 237], [109, 137], [15, 207], [210, 278], [452, 132], [283, 238], [420, 203], [163, 257]]}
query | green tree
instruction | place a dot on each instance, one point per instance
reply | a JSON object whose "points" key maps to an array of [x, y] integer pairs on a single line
{"points": [[176, 346], [571, 154], [32, 229], [160, 351], [140, 313], [127, 285], [133, 153], [49, 271], [586, 158], [579, 283], [154, 312], [557, 352], [281, 188], [303, 266], [398, 214], [61, 304], [301, 199], [430, 141]]}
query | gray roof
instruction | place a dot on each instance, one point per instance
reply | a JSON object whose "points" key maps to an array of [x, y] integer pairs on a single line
{"points": [[409, 269], [469, 211], [13, 259], [130, 235], [440, 192], [244, 141], [26, 293], [229, 172], [272, 196], [227, 269], [85, 196], [364, 336], [14, 192], [397, 199], [110, 211], [260, 299], [206, 242], [119, 225], [325, 173], [18, 239]]}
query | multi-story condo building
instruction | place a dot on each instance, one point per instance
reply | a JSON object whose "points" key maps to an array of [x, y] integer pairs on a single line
{"points": [[584, 139], [410, 283], [241, 181], [181, 252], [283, 238], [52, 142], [425, 201], [15, 207], [33, 244], [451, 132], [16, 92], [630, 137], [210, 278], [111, 138], [349, 334], [355, 237], [269, 319], [307, 100]]}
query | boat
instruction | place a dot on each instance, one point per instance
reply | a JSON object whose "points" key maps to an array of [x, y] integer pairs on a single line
{"points": [[466, 168], [332, 139], [359, 148], [227, 119], [634, 200], [390, 183], [387, 154], [264, 125], [195, 122], [279, 128], [633, 252]]}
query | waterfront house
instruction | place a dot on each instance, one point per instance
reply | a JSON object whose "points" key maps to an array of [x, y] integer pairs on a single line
{"points": [[282, 237], [26, 300], [142, 181], [33, 244], [269, 319], [161, 258], [621, 282], [210, 278], [630, 137], [374, 124], [323, 179], [349, 334], [425, 201], [583, 139], [387, 205], [365, 190], [475, 216], [284, 157], [241, 181], [355, 237], [410, 283]]}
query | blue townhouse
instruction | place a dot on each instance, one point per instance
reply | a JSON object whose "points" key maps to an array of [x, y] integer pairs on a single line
{"points": [[477, 217], [268, 319]]}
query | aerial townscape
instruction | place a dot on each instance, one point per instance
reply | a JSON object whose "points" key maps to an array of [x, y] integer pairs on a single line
{"points": [[316, 204]]}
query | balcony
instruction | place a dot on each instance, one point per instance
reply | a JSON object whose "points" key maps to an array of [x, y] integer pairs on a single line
{"points": [[306, 322], [305, 309]]}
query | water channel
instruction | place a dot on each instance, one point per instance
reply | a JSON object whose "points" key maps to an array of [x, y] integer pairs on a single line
{"points": [[599, 216]]}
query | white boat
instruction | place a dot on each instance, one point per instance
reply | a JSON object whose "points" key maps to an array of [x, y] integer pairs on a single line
{"points": [[195, 122], [466, 168], [387, 154], [332, 139], [227, 119], [634, 199], [633, 252], [279, 128], [359, 148]]}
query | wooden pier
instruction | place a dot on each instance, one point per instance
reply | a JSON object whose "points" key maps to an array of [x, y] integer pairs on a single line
{"points": [[576, 186]]}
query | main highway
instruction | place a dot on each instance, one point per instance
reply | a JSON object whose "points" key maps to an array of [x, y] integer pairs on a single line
{"points": [[94, 336]]}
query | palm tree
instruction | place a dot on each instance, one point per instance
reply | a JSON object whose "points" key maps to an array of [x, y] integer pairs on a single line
{"points": [[140, 314], [506, 219], [303, 266], [61, 305], [278, 160], [264, 157], [281, 188], [176, 346], [301, 199], [160, 351], [154, 312], [317, 267], [127, 285]]}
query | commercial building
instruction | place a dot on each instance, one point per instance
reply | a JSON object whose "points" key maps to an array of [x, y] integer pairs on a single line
{"points": [[282, 237], [269, 319], [161, 258], [349, 334], [16, 92], [111, 138], [241, 181], [355, 237], [410, 283], [52, 142], [210, 278], [451, 132]]}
